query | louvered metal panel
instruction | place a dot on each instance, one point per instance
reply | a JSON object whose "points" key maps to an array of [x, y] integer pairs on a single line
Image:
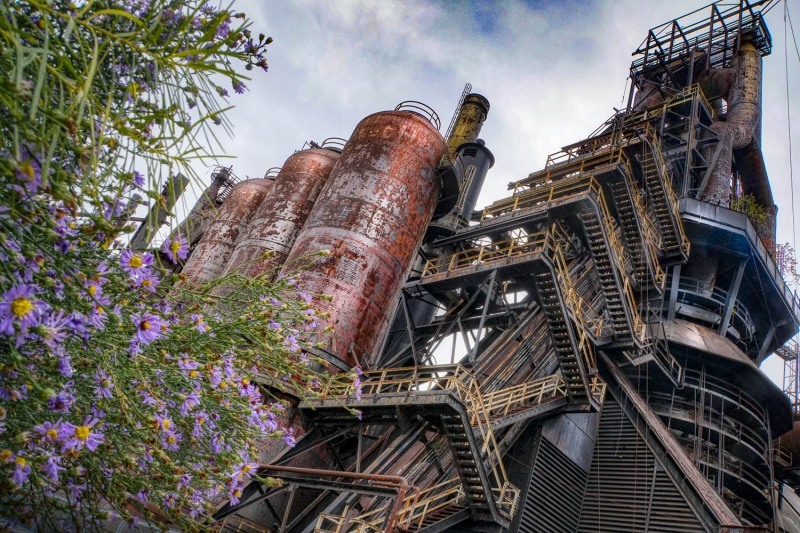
{"points": [[553, 502], [627, 490]]}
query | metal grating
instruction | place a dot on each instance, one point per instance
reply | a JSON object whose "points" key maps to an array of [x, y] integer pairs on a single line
{"points": [[553, 503], [627, 490]]}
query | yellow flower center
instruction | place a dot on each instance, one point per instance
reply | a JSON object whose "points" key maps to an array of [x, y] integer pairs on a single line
{"points": [[146, 282], [52, 434], [223, 385], [246, 468], [92, 289], [5, 455], [21, 307], [82, 432], [166, 424], [20, 461], [193, 373], [27, 169], [144, 325], [135, 261], [171, 440], [174, 247]]}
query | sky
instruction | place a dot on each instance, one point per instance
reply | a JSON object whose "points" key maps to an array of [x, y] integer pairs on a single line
{"points": [[552, 71]]}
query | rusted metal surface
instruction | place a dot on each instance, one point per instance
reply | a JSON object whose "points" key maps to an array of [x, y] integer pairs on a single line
{"points": [[211, 254], [470, 119], [371, 217], [276, 224]]}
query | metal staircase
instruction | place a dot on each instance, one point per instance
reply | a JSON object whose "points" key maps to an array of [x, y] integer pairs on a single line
{"points": [[468, 417], [662, 201]]}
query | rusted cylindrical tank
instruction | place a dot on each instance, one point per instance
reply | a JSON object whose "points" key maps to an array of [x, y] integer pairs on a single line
{"points": [[276, 224], [469, 122], [212, 253], [371, 216]]}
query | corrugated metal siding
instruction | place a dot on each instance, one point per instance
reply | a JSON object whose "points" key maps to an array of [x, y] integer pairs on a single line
{"points": [[627, 490], [555, 492]]}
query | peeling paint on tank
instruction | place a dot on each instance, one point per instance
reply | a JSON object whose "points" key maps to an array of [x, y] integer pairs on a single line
{"points": [[276, 224], [211, 254], [371, 216]]}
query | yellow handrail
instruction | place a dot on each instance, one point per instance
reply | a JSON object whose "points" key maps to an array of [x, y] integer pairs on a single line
{"points": [[485, 254]]}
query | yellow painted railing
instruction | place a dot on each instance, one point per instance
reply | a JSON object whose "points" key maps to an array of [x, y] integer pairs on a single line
{"points": [[542, 194], [592, 158], [454, 378], [486, 254]]}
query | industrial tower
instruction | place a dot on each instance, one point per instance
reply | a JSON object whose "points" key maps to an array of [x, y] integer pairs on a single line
{"points": [[611, 314]]}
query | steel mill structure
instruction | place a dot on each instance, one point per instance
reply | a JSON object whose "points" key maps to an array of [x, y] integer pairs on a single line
{"points": [[582, 355]]}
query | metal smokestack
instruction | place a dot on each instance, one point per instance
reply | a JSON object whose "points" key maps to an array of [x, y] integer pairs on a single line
{"points": [[468, 124]]}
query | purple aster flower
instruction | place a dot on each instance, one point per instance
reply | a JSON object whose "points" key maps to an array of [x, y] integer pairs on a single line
{"points": [[138, 179], [200, 420], [288, 437], [51, 467], [147, 281], [170, 499], [191, 401], [48, 431], [98, 317], [216, 377], [176, 249], [65, 365], [53, 330], [224, 28], [78, 437], [20, 310], [184, 363], [184, 481], [305, 296], [244, 470], [141, 496], [238, 87], [75, 490], [217, 443], [104, 384], [21, 470], [357, 385], [170, 440], [200, 323], [291, 344], [28, 174], [148, 328], [135, 263], [61, 402]]}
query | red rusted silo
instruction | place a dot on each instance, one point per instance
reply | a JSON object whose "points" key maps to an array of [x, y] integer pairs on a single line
{"points": [[277, 223], [211, 254], [371, 215]]}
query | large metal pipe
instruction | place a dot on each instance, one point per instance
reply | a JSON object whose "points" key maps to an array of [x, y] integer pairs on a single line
{"points": [[276, 224], [469, 122], [739, 136], [371, 217], [211, 254]]}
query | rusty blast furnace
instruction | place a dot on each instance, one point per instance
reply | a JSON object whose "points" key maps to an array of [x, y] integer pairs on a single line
{"points": [[580, 356]]}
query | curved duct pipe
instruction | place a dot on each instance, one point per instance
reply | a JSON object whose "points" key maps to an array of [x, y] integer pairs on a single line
{"points": [[648, 95], [739, 137]]}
